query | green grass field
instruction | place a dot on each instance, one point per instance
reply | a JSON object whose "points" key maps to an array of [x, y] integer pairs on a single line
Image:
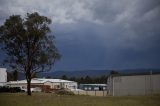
{"points": [[42, 99]]}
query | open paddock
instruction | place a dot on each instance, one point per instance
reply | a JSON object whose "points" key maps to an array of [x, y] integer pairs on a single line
{"points": [[50, 99]]}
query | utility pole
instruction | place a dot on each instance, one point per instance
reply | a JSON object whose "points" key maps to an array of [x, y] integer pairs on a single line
{"points": [[113, 85], [151, 83]]}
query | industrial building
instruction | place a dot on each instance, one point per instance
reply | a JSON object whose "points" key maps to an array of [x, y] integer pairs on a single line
{"points": [[93, 87], [45, 85], [3, 76], [125, 85]]}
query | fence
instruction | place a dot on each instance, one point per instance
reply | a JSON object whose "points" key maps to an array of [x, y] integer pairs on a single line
{"points": [[91, 93]]}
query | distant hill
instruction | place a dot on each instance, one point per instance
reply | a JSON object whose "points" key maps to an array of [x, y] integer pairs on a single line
{"points": [[91, 73]]}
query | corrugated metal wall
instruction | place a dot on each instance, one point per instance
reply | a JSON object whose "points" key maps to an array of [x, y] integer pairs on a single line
{"points": [[134, 85], [3, 76]]}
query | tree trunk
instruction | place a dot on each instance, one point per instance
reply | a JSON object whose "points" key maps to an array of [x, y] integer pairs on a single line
{"points": [[29, 87]]}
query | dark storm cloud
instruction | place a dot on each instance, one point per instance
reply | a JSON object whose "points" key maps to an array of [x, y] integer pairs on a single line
{"points": [[105, 48], [99, 33]]}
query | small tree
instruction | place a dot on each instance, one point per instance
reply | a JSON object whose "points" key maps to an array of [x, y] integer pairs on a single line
{"points": [[64, 77], [114, 72], [15, 75], [28, 46]]}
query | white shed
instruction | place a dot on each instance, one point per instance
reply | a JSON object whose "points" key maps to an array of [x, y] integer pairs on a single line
{"points": [[3, 76], [138, 84]]}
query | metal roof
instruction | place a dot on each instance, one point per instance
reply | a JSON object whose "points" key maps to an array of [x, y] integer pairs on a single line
{"points": [[135, 74], [95, 84], [40, 81]]}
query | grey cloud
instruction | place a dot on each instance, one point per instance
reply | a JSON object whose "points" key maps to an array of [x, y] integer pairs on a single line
{"points": [[111, 10], [61, 11], [68, 11]]}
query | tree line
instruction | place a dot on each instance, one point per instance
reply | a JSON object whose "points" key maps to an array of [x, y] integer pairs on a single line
{"points": [[87, 79], [13, 76]]}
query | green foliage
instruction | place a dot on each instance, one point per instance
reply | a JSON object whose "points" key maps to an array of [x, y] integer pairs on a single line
{"points": [[15, 75], [87, 79], [12, 75], [34, 75], [27, 43], [114, 72], [64, 77], [64, 92]]}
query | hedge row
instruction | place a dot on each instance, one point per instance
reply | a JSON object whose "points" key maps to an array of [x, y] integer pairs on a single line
{"points": [[10, 89]]}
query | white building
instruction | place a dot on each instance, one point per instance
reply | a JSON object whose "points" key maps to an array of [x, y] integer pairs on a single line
{"points": [[3, 76], [50, 84]]}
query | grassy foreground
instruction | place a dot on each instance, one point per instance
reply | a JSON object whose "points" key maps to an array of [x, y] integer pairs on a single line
{"points": [[41, 99]]}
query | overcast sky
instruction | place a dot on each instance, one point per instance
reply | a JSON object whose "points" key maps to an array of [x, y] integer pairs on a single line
{"points": [[98, 34]]}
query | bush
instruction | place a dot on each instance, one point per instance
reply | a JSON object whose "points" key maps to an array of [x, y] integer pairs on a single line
{"points": [[64, 92], [10, 89]]}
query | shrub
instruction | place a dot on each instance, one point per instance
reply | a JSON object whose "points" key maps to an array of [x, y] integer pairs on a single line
{"points": [[64, 92], [10, 89]]}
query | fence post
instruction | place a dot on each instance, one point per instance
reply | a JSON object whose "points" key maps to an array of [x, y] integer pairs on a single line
{"points": [[103, 92]]}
